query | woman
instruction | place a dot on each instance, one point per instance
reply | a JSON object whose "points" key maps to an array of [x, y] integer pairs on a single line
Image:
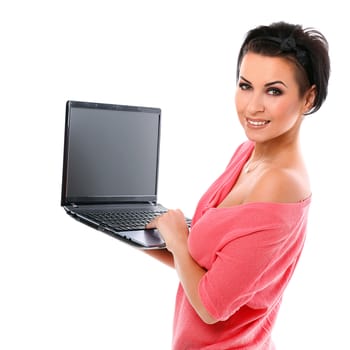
{"points": [[249, 227]]}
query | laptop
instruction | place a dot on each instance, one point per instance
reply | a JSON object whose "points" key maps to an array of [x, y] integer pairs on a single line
{"points": [[110, 170]]}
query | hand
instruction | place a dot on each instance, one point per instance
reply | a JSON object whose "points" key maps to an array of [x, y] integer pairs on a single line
{"points": [[173, 228]]}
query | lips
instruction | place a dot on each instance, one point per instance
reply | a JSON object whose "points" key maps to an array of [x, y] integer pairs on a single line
{"points": [[257, 122]]}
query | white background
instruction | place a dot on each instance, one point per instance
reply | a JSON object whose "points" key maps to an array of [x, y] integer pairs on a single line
{"points": [[66, 286]]}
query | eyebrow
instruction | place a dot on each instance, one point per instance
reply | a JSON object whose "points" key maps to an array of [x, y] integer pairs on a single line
{"points": [[267, 84]]}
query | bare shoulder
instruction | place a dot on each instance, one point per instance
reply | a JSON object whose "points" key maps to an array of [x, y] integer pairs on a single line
{"points": [[279, 185]]}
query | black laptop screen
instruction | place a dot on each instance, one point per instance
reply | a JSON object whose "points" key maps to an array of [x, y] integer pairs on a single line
{"points": [[111, 153]]}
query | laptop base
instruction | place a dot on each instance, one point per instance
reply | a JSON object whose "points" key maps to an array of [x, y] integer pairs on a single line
{"points": [[142, 239]]}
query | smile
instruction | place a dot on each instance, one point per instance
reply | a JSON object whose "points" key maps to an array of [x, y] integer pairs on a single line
{"points": [[257, 123]]}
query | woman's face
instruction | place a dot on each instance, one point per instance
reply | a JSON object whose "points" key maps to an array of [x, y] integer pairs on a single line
{"points": [[268, 100]]}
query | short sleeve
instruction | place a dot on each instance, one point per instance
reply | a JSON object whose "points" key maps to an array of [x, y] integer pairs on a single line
{"points": [[242, 269]]}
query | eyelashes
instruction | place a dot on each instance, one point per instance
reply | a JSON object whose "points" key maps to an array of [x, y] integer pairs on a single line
{"points": [[244, 86], [273, 91]]}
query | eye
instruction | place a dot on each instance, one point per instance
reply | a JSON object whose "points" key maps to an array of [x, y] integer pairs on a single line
{"points": [[244, 86], [274, 91]]}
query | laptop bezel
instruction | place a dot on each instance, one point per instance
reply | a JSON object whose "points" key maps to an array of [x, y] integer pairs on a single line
{"points": [[73, 201]]}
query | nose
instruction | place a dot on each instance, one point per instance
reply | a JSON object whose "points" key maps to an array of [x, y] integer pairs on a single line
{"points": [[255, 103]]}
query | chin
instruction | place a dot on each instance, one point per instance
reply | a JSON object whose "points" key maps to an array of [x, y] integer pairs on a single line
{"points": [[257, 138]]}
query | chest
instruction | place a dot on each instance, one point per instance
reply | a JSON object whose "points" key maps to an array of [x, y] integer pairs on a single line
{"points": [[236, 196]]}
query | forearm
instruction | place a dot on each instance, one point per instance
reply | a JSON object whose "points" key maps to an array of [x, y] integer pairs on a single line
{"points": [[162, 255], [190, 274], [174, 230]]}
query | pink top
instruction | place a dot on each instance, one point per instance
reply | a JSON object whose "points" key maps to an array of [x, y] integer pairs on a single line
{"points": [[250, 252]]}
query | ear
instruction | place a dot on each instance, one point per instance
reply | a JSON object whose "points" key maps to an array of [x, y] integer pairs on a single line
{"points": [[309, 99]]}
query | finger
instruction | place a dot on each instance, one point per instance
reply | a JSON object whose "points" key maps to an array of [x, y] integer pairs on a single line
{"points": [[151, 224], [180, 212]]}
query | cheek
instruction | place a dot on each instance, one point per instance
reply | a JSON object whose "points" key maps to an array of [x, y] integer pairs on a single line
{"points": [[240, 103], [287, 109]]}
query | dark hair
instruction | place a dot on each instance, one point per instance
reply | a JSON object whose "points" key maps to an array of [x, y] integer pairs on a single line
{"points": [[307, 48]]}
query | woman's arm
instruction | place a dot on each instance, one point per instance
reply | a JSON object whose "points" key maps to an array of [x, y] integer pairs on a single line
{"points": [[163, 255], [174, 230], [190, 274]]}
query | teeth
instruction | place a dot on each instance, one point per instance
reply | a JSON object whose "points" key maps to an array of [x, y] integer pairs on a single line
{"points": [[257, 123]]}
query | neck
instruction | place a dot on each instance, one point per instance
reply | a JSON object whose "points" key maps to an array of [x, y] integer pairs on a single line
{"points": [[273, 149]]}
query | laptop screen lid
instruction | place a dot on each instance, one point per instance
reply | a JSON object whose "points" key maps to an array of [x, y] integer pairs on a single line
{"points": [[111, 154]]}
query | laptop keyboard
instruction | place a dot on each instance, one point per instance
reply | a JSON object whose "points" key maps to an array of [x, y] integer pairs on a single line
{"points": [[124, 220]]}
